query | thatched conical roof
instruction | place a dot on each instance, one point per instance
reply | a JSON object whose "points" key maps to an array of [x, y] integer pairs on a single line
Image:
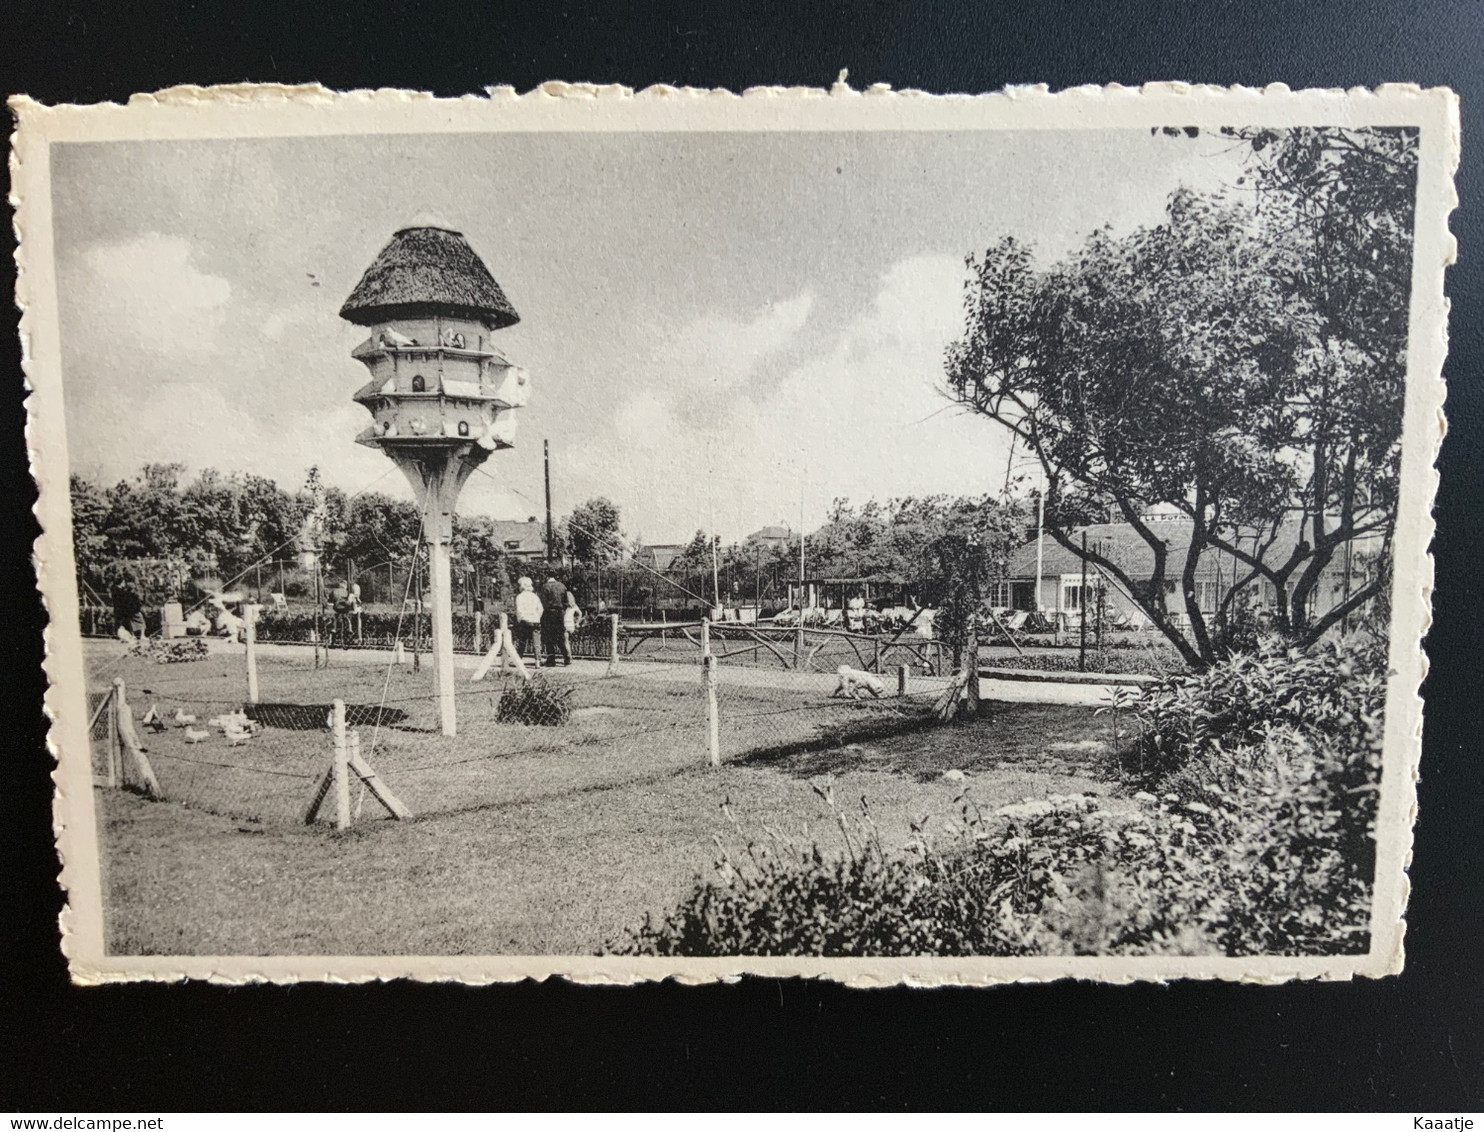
{"points": [[428, 270]]}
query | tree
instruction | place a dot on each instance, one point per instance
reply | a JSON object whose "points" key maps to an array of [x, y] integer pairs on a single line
{"points": [[1204, 365], [592, 533], [377, 529], [89, 525]]}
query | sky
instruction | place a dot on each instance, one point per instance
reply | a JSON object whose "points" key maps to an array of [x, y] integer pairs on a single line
{"points": [[724, 330]]}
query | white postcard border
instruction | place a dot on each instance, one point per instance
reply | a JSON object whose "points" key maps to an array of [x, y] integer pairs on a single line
{"points": [[259, 111]]}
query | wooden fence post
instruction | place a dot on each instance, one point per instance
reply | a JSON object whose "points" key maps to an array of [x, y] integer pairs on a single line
{"points": [[129, 741], [368, 776], [705, 637], [341, 768], [713, 719], [250, 637], [901, 679], [613, 644], [478, 631], [113, 734]]}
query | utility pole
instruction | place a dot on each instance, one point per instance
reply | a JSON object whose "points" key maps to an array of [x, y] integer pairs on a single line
{"points": [[801, 550], [1040, 540], [550, 536], [1082, 647]]}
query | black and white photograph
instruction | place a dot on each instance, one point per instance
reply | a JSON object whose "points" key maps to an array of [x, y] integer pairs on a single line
{"points": [[891, 538]]}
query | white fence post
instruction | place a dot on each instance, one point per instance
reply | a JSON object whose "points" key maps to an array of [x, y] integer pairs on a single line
{"points": [[342, 768], [613, 644], [713, 717], [250, 636]]}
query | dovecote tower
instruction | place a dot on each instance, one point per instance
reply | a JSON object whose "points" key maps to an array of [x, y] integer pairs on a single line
{"points": [[441, 396]]}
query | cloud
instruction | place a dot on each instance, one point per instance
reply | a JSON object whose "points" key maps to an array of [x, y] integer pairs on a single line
{"points": [[148, 292], [862, 417], [703, 372], [197, 424]]}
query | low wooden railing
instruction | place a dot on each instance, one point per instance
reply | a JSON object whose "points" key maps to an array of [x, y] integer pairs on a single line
{"points": [[805, 648]]}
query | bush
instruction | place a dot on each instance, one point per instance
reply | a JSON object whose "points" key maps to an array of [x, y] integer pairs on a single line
{"points": [[536, 702], [1256, 711], [1116, 662], [1271, 853], [163, 651]]}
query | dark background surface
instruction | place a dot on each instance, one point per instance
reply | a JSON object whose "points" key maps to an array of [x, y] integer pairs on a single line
{"points": [[1408, 1043]]}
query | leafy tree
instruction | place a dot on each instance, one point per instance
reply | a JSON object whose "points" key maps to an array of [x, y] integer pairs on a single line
{"points": [[89, 524], [592, 532], [377, 528], [1207, 365]]}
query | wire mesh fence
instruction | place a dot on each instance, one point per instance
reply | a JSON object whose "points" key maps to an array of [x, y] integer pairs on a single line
{"points": [[651, 708]]}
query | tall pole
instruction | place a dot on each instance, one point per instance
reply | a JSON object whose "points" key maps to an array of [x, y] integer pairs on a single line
{"points": [[715, 572], [799, 632], [801, 549], [1082, 647], [550, 535], [1040, 540], [439, 561]]}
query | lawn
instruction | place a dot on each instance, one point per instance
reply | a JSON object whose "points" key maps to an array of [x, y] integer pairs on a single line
{"points": [[528, 839]]}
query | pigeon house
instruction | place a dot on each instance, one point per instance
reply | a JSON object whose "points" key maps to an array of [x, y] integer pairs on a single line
{"points": [[440, 395]]}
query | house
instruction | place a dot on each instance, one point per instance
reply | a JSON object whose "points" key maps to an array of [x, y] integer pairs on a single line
{"points": [[524, 539], [1059, 588], [771, 538], [659, 556]]}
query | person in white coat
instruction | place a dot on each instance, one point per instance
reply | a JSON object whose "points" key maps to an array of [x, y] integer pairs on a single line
{"points": [[528, 619]]}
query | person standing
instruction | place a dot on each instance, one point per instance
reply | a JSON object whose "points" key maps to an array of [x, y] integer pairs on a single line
{"points": [[571, 619], [528, 612], [553, 614], [128, 611]]}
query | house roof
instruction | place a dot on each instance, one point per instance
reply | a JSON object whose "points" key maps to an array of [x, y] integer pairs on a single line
{"points": [[530, 535], [1125, 547], [663, 553], [771, 532], [427, 270]]}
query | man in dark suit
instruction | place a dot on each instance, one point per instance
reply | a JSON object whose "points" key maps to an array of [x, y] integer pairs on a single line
{"points": [[553, 605]]}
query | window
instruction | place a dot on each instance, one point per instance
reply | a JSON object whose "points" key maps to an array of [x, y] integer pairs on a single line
{"points": [[463, 428], [512, 544], [1207, 596], [1073, 600], [1000, 595], [418, 384]]}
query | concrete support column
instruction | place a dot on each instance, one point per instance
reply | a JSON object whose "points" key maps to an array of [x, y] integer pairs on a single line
{"points": [[442, 617]]}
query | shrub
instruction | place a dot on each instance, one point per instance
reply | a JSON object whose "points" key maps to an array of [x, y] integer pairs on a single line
{"points": [[163, 651], [536, 702], [1017, 882], [1256, 711], [1117, 662]]}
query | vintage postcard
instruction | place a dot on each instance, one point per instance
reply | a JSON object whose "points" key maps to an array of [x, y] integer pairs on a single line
{"points": [[678, 534]]}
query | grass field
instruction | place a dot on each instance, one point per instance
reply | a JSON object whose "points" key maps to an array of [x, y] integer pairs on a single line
{"points": [[528, 839]]}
